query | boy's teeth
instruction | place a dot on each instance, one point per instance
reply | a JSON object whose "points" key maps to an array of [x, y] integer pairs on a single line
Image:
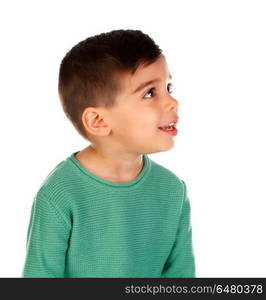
{"points": [[170, 126]]}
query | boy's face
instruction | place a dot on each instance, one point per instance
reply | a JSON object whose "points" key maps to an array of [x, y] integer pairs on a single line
{"points": [[135, 120]]}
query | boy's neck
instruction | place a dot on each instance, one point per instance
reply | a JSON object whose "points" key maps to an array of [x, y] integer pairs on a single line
{"points": [[110, 166]]}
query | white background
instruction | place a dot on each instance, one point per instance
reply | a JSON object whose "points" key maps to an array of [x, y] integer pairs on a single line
{"points": [[216, 54]]}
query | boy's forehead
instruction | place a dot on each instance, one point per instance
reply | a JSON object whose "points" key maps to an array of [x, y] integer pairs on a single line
{"points": [[145, 75]]}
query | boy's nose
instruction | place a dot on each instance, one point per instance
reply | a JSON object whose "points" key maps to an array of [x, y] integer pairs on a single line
{"points": [[172, 104]]}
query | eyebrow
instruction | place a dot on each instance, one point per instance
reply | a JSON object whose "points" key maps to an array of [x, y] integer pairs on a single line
{"points": [[144, 84]]}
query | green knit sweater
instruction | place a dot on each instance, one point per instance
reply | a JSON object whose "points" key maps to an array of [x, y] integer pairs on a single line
{"points": [[82, 225]]}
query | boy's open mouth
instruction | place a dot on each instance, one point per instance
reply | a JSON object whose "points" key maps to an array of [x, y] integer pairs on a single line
{"points": [[169, 128]]}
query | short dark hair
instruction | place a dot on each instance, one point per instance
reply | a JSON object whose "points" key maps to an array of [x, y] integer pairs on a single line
{"points": [[90, 73]]}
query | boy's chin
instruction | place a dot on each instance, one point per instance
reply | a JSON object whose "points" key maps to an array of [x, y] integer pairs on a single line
{"points": [[167, 146], [162, 148]]}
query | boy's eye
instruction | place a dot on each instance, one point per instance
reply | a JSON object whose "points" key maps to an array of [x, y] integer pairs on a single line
{"points": [[151, 91]]}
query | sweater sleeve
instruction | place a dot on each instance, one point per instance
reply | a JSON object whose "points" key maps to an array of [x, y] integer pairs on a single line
{"points": [[181, 262], [47, 240]]}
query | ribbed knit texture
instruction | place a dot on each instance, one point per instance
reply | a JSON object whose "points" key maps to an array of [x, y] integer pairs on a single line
{"points": [[82, 225]]}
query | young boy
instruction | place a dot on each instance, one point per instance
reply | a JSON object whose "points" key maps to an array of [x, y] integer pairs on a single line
{"points": [[109, 210]]}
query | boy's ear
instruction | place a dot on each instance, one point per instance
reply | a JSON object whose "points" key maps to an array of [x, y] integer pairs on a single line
{"points": [[94, 123]]}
